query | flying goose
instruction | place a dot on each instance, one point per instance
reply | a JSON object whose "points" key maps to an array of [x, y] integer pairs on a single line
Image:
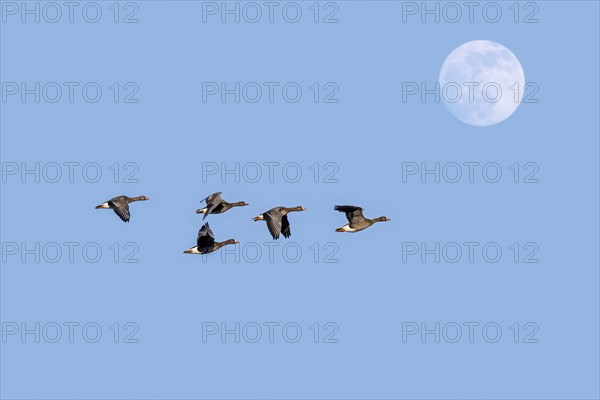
{"points": [[216, 205], [120, 205], [277, 220], [357, 222], [205, 243]]}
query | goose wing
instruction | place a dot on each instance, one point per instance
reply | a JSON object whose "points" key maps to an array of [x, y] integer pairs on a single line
{"points": [[212, 202], [212, 197], [285, 227], [274, 222], [353, 213], [121, 209], [206, 237]]}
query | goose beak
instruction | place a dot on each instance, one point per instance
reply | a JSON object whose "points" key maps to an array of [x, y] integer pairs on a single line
{"points": [[259, 218], [187, 252], [388, 219], [236, 242], [303, 209]]}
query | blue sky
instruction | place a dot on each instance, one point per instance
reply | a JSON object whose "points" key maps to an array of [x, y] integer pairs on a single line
{"points": [[371, 294]]}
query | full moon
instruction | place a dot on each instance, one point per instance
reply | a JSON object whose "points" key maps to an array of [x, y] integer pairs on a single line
{"points": [[482, 83]]}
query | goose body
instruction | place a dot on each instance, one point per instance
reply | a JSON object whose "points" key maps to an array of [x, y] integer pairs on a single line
{"points": [[356, 220], [205, 243], [277, 220], [216, 205], [120, 205]]}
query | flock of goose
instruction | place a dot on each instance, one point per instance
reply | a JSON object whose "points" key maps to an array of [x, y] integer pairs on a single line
{"points": [[276, 219]]}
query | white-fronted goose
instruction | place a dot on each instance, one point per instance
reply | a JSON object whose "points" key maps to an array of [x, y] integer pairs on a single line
{"points": [[205, 243], [277, 220], [120, 205], [216, 205], [357, 222]]}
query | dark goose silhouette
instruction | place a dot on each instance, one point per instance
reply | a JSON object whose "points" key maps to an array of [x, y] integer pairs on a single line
{"points": [[120, 205], [205, 243], [277, 220], [216, 205], [356, 220]]}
